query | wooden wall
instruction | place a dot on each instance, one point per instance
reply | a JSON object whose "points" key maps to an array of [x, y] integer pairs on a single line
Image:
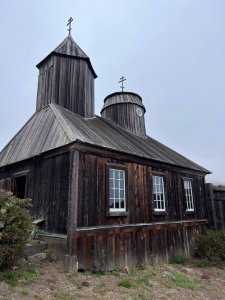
{"points": [[106, 249], [47, 186], [104, 242], [68, 82], [216, 205], [125, 115], [92, 207]]}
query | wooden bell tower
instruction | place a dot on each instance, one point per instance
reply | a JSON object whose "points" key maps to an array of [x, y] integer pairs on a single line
{"points": [[66, 77]]}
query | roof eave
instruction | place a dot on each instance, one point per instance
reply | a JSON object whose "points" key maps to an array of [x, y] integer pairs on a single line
{"points": [[87, 59]]}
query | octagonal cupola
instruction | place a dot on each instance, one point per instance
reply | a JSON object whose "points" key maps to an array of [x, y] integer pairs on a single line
{"points": [[66, 77], [126, 110]]}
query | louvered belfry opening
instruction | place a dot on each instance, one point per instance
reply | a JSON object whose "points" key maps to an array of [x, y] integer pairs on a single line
{"points": [[126, 110], [66, 77]]}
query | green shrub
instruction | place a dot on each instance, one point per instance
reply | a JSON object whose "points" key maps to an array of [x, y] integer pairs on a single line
{"points": [[15, 226], [125, 283], [211, 246], [179, 259], [202, 263]]}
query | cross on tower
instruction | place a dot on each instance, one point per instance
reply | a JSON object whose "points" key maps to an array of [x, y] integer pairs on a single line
{"points": [[122, 79], [69, 24]]}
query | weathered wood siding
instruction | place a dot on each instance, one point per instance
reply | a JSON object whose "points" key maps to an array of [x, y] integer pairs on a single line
{"points": [[66, 81], [216, 205], [125, 115], [6, 184], [92, 206], [106, 249], [47, 186]]}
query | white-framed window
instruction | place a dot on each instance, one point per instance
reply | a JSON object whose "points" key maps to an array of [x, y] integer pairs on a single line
{"points": [[117, 196], [158, 193], [188, 195]]}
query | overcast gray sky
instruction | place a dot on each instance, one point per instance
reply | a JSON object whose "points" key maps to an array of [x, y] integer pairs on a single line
{"points": [[172, 53]]}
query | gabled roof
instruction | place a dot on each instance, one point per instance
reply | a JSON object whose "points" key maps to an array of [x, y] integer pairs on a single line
{"points": [[54, 126]]}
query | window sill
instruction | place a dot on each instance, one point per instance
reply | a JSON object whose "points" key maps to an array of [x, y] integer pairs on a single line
{"points": [[159, 213], [189, 212], [117, 214]]}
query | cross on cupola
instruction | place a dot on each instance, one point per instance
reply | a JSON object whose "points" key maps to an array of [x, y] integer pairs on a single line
{"points": [[69, 24], [122, 79]]}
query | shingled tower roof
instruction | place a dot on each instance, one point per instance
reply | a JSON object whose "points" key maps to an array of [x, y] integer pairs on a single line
{"points": [[69, 48]]}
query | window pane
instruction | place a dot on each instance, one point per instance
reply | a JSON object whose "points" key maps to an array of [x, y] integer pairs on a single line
{"points": [[117, 175], [158, 192], [117, 203], [111, 193], [117, 190], [111, 173], [188, 195], [111, 203], [117, 184], [111, 183], [121, 194]]}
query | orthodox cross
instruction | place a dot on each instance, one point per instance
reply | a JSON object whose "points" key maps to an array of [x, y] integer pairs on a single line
{"points": [[122, 79], [69, 24]]}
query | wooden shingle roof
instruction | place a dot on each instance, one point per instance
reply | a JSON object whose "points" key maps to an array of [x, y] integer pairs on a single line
{"points": [[120, 98], [54, 126], [69, 48]]}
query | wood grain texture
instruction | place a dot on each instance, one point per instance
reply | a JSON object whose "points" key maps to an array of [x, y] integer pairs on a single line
{"points": [[47, 186], [107, 249], [93, 192], [121, 108], [216, 205], [73, 195], [66, 81]]}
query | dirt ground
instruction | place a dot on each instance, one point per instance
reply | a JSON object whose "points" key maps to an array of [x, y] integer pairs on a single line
{"points": [[49, 280]]}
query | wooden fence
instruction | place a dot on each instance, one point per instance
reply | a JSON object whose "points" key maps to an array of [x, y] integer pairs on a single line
{"points": [[216, 206]]}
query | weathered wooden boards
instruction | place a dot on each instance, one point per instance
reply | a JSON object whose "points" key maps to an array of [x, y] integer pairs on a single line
{"points": [[66, 81], [53, 183], [92, 206], [216, 205], [106, 249], [47, 184], [126, 110]]}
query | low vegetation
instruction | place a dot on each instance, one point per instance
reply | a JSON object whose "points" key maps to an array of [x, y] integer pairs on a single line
{"points": [[49, 280], [25, 274], [15, 226], [210, 247], [179, 259]]}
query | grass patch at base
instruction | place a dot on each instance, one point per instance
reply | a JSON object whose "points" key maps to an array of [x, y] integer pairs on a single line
{"points": [[125, 283], [184, 281], [179, 259], [26, 275]]}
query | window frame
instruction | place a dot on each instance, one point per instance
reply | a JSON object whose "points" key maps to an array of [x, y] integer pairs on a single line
{"points": [[116, 212], [192, 209], [159, 210]]}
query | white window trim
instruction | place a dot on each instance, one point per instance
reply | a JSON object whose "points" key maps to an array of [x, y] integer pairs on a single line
{"points": [[119, 189], [189, 199], [163, 200]]}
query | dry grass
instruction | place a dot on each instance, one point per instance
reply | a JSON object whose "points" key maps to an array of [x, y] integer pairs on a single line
{"points": [[50, 281]]}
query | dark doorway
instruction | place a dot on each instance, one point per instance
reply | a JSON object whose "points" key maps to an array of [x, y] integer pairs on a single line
{"points": [[20, 187]]}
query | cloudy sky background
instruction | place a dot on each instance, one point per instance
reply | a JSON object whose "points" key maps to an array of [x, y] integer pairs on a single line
{"points": [[171, 52]]}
